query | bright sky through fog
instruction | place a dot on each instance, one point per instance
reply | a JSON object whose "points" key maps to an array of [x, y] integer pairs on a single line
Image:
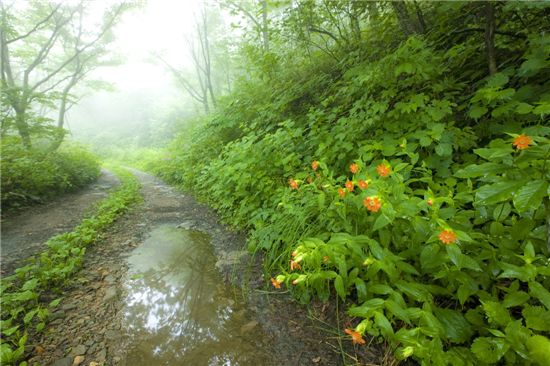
{"points": [[158, 26]]}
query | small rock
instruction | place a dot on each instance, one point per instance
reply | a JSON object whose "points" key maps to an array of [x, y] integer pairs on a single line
{"points": [[109, 279], [79, 350], [112, 334], [89, 342], [248, 327], [65, 361], [110, 293], [102, 356], [78, 360], [316, 359], [60, 314], [68, 307], [93, 363]]}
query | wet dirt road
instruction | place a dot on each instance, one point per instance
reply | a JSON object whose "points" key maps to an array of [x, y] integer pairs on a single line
{"points": [[170, 285]]}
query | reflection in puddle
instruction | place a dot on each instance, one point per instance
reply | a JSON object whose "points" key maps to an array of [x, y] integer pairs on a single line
{"points": [[179, 311]]}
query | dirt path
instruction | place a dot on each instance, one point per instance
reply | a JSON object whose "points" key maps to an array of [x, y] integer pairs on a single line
{"points": [[25, 232], [90, 326]]}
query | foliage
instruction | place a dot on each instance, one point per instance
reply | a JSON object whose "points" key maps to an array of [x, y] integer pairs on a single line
{"points": [[35, 174], [437, 238], [51, 269]]}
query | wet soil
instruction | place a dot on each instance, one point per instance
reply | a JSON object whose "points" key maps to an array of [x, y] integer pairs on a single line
{"points": [[24, 232], [126, 305]]}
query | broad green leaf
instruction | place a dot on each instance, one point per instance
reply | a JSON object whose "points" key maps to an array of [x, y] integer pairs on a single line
{"points": [[339, 287], [383, 324], [537, 318], [477, 111], [524, 273], [530, 195], [498, 192], [496, 312], [539, 349], [515, 298], [475, 170], [538, 291], [489, 350], [457, 329], [381, 221]]}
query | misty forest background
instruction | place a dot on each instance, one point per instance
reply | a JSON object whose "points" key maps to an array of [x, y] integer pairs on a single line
{"points": [[396, 153]]}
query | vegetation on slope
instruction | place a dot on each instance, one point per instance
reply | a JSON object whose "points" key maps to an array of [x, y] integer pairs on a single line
{"points": [[31, 175], [404, 168]]}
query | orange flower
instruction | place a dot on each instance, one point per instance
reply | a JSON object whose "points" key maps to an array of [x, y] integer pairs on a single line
{"points": [[430, 201], [372, 204], [349, 186], [294, 265], [354, 168], [447, 237], [294, 253], [341, 192], [383, 170], [362, 184], [293, 183], [275, 283], [522, 142], [355, 336], [315, 165]]}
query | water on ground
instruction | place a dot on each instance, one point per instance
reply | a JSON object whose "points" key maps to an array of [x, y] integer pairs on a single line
{"points": [[179, 310]]}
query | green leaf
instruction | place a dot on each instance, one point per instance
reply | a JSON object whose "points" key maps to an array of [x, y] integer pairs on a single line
{"points": [[457, 328], [475, 170], [515, 298], [381, 221], [538, 291], [501, 211], [28, 317], [524, 273], [537, 318], [496, 312], [477, 111], [489, 350], [366, 310], [539, 349], [495, 193], [339, 287], [530, 195], [396, 310], [383, 324]]}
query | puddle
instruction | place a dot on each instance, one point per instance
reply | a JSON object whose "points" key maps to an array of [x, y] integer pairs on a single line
{"points": [[178, 310]]}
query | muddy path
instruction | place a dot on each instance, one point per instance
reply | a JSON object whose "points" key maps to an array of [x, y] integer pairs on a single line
{"points": [[24, 232], [170, 285]]}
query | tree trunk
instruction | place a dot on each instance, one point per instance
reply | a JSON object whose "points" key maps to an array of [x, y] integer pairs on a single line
{"points": [[265, 34], [490, 37], [22, 126]]}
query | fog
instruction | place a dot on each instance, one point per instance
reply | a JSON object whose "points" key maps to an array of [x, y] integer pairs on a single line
{"points": [[141, 95]]}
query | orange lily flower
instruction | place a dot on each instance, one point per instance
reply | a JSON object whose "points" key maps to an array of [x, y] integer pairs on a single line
{"points": [[355, 336], [447, 237], [349, 186], [315, 165], [522, 142], [372, 204], [293, 184], [294, 265], [341, 192], [383, 170], [362, 184], [354, 168], [275, 283]]}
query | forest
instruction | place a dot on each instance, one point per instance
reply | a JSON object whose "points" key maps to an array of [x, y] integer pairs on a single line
{"points": [[386, 161]]}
